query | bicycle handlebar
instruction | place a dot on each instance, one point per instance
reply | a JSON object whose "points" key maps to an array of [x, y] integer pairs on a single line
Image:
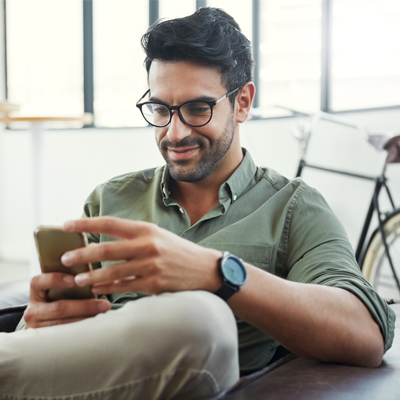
{"points": [[305, 128], [343, 121]]}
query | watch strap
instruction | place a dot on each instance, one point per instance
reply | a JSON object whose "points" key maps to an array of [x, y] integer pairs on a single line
{"points": [[226, 291]]}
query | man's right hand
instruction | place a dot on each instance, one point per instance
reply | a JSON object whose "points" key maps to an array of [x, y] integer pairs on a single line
{"points": [[40, 312]]}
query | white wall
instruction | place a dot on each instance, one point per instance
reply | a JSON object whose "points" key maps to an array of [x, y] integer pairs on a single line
{"points": [[75, 161]]}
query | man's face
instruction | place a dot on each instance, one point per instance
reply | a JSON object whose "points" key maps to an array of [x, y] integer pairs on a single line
{"points": [[192, 154]]}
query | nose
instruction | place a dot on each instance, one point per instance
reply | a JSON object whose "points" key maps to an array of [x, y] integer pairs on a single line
{"points": [[177, 130]]}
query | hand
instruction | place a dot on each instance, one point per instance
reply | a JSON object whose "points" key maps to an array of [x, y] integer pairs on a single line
{"points": [[41, 313], [154, 260]]}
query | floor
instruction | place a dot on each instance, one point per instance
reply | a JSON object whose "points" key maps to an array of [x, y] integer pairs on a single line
{"points": [[11, 271]]}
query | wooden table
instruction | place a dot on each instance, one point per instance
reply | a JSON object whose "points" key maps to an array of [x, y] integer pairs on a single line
{"points": [[5, 107]]}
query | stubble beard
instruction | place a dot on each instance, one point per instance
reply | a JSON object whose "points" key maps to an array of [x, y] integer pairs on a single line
{"points": [[208, 162]]}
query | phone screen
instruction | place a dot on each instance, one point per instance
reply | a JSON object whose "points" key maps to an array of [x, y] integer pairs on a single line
{"points": [[51, 244]]}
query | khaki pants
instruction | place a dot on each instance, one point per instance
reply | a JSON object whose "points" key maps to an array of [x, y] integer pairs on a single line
{"points": [[173, 346]]}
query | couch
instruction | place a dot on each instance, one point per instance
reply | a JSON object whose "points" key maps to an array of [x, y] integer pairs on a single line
{"points": [[287, 377]]}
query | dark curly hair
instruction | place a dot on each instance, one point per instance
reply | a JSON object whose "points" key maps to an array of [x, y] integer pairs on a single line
{"points": [[210, 36]]}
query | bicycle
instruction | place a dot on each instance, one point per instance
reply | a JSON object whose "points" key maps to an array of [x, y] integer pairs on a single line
{"points": [[378, 254]]}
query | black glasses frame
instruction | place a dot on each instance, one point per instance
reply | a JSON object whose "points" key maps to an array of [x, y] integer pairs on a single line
{"points": [[212, 104]]}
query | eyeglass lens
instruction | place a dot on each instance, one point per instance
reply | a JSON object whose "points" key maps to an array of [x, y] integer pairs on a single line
{"points": [[194, 113]]}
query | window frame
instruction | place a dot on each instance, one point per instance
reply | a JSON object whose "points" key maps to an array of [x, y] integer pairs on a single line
{"points": [[88, 78]]}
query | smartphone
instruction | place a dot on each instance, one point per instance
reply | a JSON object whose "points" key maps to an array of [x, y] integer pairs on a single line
{"points": [[51, 244]]}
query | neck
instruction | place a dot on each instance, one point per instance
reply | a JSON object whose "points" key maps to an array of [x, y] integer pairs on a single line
{"points": [[198, 198]]}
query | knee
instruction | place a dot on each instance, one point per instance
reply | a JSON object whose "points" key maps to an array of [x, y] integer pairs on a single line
{"points": [[193, 319], [191, 331], [207, 336], [204, 317], [203, 327]]}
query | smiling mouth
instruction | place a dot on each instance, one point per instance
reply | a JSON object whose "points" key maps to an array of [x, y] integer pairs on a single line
{"points": [[182, 153]]}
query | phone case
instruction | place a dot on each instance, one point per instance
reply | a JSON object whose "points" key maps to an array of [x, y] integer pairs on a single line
{"points": [[51, 244]]}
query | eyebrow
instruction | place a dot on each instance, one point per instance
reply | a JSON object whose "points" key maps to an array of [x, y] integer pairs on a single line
{"points": [[199, 98]]}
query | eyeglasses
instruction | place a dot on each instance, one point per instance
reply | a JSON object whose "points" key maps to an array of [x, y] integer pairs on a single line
{"points": [[194, 113]]}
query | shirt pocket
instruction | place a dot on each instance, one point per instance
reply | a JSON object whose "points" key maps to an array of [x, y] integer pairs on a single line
{"points": [[259, 255]]}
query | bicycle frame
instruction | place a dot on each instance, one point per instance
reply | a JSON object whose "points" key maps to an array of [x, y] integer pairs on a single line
{"points": [[380, 182]]}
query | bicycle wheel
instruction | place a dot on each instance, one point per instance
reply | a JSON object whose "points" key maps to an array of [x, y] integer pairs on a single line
{"points": [[376, 267]]}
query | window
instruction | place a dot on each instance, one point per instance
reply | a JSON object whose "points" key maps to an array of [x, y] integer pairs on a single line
{"points": [[290, 54], [241, 11], [45, 54], [119, 75], [45, 57], [169, 9], [365, 54]]}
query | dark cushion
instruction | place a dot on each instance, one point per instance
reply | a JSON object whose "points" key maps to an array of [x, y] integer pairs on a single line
{"points": [[14, 294], [13, 299], [9, 319], [294, 377]]}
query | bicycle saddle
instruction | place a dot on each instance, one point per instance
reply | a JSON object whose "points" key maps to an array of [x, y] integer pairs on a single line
{"points": [[389, 143], [392, 147]]}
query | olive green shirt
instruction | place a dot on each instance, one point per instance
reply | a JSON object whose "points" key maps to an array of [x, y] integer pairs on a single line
{"points": [[283, 227]]}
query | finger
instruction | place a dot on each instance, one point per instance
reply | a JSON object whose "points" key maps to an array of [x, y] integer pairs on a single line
{"points": [[43, 282], [106, 251], [149, 285], [65, 309], [131, 268], [115, 227], [141, 247], [119, 286]]}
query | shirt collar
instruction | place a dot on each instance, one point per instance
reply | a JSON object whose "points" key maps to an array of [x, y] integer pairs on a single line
{"points": [[164, 184], [230, 190]]}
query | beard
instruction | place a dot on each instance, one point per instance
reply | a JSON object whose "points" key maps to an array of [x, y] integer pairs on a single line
{"points": [[213, 154]]}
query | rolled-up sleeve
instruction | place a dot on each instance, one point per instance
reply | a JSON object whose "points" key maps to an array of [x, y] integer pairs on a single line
{"points": [[319, 252]]}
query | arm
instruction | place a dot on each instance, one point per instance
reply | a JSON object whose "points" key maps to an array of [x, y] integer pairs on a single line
{"points": [[325, 323]]}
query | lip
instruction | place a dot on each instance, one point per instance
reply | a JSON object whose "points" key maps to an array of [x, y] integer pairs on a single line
{"points": [[182, 153]]}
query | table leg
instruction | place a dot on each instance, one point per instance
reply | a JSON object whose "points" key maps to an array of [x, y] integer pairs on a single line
{"points": [[36, 135]]}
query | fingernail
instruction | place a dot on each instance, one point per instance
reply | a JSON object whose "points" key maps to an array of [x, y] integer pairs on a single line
{"points": [[69, 280], [69, 225], [103, 306], [81, 279], [67, 258]]}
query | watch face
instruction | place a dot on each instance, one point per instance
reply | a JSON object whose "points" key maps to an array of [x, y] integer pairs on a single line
{"points": [[234, 271]]}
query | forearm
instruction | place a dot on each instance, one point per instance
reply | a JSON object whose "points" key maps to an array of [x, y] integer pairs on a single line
{"points": [[325, 323]]}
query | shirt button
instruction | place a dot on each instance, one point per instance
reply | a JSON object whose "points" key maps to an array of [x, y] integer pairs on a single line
{"points": [[234, 197], [181, 210]]}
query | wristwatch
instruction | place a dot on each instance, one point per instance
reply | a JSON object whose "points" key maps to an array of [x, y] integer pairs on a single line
{"points": [[233, 275]]}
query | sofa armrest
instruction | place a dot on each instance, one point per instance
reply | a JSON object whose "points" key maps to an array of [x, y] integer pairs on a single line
{"points": [[13, 300], [299, 378], [14, 294], [9, 319]]}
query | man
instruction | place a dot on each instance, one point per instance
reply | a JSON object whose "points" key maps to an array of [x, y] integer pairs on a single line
{"points": [[167, 231]]}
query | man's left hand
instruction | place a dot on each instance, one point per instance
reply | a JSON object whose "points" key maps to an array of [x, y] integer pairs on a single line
{"points": [[149, 259]]}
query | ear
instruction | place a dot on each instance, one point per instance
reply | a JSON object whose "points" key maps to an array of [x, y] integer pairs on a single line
{"points": [[243, 101]]}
